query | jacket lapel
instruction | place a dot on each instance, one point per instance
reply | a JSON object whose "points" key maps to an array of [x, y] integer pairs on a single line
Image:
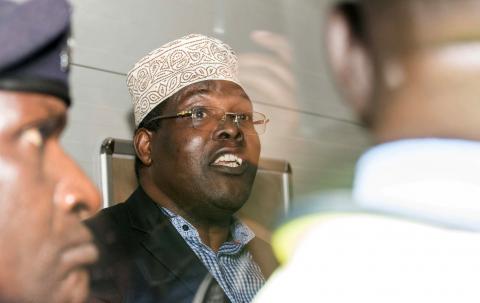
{"points": [[163, 244]]}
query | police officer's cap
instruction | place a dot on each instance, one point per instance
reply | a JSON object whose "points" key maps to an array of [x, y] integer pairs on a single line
{"points": [[33, 46]]}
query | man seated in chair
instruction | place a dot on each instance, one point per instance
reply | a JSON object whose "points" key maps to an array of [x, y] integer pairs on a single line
{"points": [[197, 146]]}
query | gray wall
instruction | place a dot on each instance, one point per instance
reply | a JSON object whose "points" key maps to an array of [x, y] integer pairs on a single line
{"points": [[284, 72]]}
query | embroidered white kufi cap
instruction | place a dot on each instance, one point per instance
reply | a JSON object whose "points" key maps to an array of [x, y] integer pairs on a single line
{"points": [[175, 65]]}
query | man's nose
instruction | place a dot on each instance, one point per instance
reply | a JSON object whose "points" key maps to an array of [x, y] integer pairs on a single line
{"points": [[74, 192], [229, 129]]}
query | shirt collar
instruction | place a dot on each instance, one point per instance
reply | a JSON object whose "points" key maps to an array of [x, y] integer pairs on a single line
{"points": [[436, 179], [241, 233]]}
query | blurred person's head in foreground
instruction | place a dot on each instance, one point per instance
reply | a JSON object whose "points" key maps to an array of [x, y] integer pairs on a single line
{"points": [[43, 193], [409, 68], [411, 71]]}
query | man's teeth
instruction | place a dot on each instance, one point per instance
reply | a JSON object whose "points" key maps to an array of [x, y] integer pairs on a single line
{"points": [[228, 160]]}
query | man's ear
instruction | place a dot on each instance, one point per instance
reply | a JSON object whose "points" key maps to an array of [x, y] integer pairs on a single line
{"points": [[142, 142], [350, 61]]}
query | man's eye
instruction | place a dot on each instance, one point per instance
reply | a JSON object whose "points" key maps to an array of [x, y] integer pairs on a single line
{"points": [[200, 113], [38, 135], [33, 136]]}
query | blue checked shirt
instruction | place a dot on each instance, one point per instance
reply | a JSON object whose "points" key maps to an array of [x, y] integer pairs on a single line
{"points": [[232, 266]]}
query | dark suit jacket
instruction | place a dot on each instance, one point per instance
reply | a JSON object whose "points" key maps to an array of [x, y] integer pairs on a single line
{"points": [[144, 259]]}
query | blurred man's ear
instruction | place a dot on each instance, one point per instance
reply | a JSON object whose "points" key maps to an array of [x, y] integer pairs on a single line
{"points": [[350, 62]]}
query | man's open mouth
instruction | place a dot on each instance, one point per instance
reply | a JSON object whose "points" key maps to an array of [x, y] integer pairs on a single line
{"points": [[228, 160]]}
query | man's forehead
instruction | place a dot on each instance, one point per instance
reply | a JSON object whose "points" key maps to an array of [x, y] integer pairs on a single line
{"points": [[212, 87], [219, 86], [20, 108]]}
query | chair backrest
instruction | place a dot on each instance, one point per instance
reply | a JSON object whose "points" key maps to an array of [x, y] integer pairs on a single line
{"points": [[270, 197]]}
